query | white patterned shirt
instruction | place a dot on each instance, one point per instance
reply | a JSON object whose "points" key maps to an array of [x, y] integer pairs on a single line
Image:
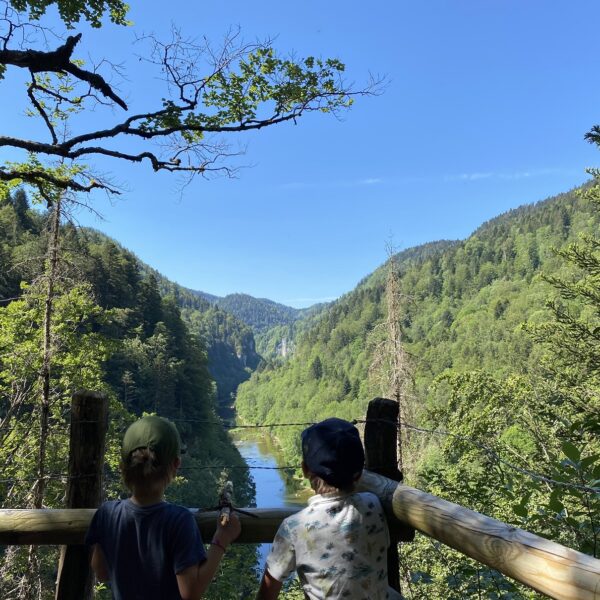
{"points": [[337, 545]]}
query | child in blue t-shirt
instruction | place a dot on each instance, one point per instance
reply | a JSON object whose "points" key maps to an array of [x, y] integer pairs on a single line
{"points": [[145, 547]]}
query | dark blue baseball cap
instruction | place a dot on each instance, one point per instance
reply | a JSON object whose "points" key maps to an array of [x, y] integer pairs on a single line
{"points": [[332, 450]]}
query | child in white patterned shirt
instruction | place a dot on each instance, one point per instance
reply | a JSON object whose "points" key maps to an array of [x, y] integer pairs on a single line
{"points": [[338, 543]]}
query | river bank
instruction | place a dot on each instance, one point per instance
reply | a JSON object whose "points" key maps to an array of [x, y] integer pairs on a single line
{"points": [[276, 486]]}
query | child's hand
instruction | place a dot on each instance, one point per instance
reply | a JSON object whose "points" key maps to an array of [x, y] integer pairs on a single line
{"points": [[225, 534]]}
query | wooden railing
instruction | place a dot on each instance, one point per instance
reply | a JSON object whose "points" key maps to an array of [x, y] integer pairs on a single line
{"points": [[545, 566]]}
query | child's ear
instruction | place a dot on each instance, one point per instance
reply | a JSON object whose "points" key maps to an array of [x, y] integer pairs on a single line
{"points": [[177, 463], [305, 470]]}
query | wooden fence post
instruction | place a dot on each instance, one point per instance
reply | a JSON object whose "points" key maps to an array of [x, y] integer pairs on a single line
{"points": [[89, 422], [381, 457]]}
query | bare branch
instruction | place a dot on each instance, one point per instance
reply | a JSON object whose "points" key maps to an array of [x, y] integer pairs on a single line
{"points": [[30, 92]]}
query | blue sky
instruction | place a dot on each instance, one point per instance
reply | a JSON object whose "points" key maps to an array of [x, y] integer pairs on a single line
{"points": [[485, 109]]}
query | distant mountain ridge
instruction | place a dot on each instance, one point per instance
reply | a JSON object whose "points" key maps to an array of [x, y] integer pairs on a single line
{"points": [[465, 303], [237, 330], [260, 313]]}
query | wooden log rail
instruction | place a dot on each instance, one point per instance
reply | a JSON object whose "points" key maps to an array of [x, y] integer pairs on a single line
{"points": [[68, 526], [545, 566]]}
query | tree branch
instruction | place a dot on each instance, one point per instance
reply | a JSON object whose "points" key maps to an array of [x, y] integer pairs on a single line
{"points": [[30, 88], [39, 177], [246, 88], [58, 61]]}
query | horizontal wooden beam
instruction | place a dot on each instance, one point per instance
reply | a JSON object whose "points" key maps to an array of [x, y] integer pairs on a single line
{"points": [[548, 567], [68, 526], [552, 569]]}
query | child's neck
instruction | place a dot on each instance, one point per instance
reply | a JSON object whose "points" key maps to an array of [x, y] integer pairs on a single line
{"points": [[147, 497]]}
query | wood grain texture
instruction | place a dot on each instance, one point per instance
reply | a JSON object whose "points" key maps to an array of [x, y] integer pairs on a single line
{"points": [[381, 456], [68, 526], [89, 424], [545, 566], [45, 526], [259, 530]]}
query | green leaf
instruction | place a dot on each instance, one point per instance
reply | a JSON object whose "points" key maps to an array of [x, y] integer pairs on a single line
{"points": [[555, 504], [589, 460], [571, 451], [421, 577], [520, 510]]}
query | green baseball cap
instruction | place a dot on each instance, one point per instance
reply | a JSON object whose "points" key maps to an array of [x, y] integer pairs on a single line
{"points": [[157, 434]]}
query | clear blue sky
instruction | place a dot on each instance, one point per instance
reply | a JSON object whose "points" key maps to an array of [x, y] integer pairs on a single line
{"points": [[486, 108]]}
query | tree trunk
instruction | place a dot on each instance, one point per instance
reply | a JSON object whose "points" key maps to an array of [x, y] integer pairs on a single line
{"points": [[51, 272], [39, 488]]}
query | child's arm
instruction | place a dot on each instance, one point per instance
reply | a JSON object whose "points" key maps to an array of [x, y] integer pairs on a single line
{"points": [[281, 562], [193, 581], [99, 563], [269, 587]]}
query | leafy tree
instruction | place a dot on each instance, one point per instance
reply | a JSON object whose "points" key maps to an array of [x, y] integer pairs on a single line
{"points": [[115, 316], [316, 368], [73, 10], [245, 87], [20, 204], [77, 356]]}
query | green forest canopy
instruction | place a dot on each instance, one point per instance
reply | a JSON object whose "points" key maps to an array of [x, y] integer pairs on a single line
{"points": [[502, 329]]}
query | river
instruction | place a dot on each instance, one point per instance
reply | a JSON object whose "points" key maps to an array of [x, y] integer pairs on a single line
{"points": [[272, 490]]}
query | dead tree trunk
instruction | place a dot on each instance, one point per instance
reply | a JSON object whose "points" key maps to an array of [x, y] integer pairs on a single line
{"points": [[51, 273], [400, 372], [32, 578], [391, 366]]}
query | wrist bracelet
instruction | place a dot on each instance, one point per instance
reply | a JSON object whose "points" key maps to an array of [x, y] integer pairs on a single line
{"points": [[216, 542]]}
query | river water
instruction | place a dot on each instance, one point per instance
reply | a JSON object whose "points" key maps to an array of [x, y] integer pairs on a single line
{"points": [[272, 489]]}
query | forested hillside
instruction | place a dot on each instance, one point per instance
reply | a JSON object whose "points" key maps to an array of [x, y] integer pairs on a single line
{"points": [[231, 349], [278, 344], [495, 409], [261, 314], [501, 413], [229, 342], [112, 330], [273, 326], [464, 304]]}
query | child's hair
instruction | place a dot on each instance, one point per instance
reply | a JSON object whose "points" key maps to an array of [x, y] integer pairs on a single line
{"points": [[142, 469], [320, 486], [150, 453]]}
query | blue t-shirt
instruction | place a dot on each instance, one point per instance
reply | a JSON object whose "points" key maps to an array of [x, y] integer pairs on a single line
{"points": [[145, 547]]}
